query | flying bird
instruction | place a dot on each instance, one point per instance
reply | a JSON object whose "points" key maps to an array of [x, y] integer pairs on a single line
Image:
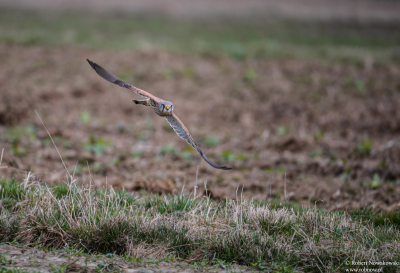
{"points": [[160, 107]]}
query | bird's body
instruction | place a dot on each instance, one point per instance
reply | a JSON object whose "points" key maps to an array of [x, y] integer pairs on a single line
{"points": [[161, 107]]}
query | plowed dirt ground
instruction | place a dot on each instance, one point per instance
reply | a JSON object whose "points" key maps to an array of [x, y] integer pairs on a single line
{"points": [[330, 130]]}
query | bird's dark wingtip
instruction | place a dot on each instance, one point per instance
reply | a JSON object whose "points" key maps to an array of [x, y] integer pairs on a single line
{"points": [[215, 165], [92, 64]]}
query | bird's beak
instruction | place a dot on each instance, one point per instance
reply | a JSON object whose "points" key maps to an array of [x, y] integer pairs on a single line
{"points": [[167, 107]]}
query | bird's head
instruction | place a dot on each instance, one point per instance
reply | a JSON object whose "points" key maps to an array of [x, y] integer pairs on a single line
{"points": [[166, 108]]}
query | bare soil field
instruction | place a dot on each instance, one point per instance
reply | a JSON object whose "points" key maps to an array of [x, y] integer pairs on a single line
{"points": [[331, 131]]}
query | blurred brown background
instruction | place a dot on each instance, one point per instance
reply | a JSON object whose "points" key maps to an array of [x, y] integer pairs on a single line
{"points": [[299, 9]]}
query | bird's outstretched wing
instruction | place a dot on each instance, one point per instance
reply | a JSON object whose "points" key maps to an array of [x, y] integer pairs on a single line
{"points": [[181, 131], [111, 78]]}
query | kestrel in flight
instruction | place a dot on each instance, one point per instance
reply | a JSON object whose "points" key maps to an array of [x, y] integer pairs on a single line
{"points": [[161, 107]]}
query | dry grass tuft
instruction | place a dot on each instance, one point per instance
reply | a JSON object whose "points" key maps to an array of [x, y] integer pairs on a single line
{"points": [[143, 250], [245, 232]]}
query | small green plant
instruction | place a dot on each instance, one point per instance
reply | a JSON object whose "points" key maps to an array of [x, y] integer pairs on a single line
{"points": [[187, 72], [137, 261], [57, 139], [153, 261], [19, 135], [116, 160], [211, 141], [137, 153], [77, 170], [249, 75], [360, 84], [227, 155], [376, 182], [356, 83], [60, 190], [70, 249], [364, 147], [107, 267], [168, 149], [19, 132], [96, 145], [185, 154], [259, 264], [171, 259], [201, 265], [315, 154], [175, 152], [319, 135], [275, 170], [218, 263], [144, 135], [98, 167], [12, 189], [168, 74], [61, 269], [18, 150], [85, 117], [281, 130], [282, 268], [4, 260], [236, 50]]}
